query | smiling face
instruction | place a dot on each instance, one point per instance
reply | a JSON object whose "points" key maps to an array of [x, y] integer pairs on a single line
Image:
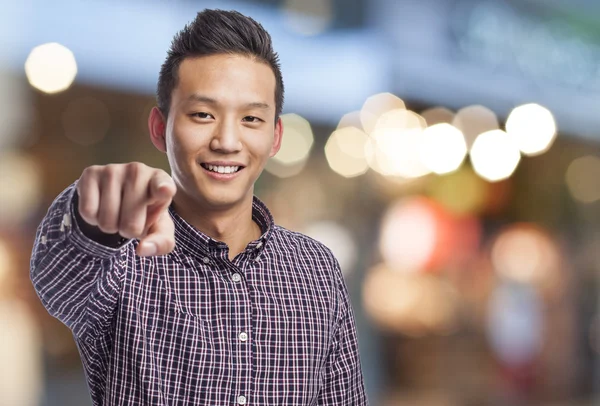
{"points": [[221, 129]]}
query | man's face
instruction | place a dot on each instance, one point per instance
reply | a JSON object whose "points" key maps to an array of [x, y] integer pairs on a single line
{"points": [[221, 128]]}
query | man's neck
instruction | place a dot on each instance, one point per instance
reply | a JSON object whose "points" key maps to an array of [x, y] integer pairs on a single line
{"points": [[233, 226]]}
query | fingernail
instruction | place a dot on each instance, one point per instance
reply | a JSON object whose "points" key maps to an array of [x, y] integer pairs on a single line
{"points": [[148, 248]]}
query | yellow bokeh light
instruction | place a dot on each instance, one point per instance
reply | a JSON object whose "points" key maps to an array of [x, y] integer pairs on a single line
{"points": [[375, 106], [345, 152], [474, 120], [399, 119], [443, 148], [412, 304], [20, 187], [396, 152], [582, 179], [533, 128], [295, 148], [494, 155], [51, 67], [525, 254], [297, 140]]}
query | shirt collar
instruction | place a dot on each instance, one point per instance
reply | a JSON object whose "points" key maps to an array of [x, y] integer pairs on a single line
{"points": [[195, 242]]}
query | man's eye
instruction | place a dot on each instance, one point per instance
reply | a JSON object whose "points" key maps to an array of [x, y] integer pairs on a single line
{"points": [[252, 119], [202, 115]]}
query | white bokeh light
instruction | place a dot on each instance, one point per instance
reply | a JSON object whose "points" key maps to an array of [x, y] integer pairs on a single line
{"points": [[533, 128], [495, 155], [377, 105], [443, 148], [51, 67], [408, 236]]}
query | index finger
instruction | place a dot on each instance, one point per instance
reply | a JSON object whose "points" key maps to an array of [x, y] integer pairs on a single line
{"points": [[161, 189]]}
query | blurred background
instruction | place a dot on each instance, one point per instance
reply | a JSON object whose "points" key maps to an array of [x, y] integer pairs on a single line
{"points": [[447, 151]]}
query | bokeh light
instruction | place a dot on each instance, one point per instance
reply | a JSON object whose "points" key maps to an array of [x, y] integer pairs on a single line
{"points": [[495, 155], [345, 152], [20, 187], [415, 235], [395, 143], [524, 253], [351, 119], [308, 17], [51, 67], [399, 119], [438, 115], [413, 305], [474, 120], [86, 120], [443, 148], [582, 179], [21, 375], [377, 105], [296, 144], [396, 152], [338, 239], [461, 192], [532, 127]]}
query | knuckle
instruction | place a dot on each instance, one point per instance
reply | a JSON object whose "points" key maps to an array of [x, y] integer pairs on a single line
{"points": [[86, 211], [133, 170], [131, 229], [107, 223]]}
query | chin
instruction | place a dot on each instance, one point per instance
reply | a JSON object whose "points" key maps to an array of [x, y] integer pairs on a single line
{"points": [[221, 201]]}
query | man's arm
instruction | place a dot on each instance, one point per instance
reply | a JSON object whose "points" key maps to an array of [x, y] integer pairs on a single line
{"points": [[77, 279], [78, 260], [344, 384]]}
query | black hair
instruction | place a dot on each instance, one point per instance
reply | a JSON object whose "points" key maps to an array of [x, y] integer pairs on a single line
{"points": [[218, 32]]}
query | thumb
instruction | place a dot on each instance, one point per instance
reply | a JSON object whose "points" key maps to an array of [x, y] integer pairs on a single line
{"points": [[160, 237]]}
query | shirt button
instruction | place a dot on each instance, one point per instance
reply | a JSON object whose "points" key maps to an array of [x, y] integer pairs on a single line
{"points": [[259, 244], [206, 260], [242, 400], [236, 277], [243, 336]]}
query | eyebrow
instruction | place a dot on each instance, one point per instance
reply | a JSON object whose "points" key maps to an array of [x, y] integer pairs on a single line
{"points": [[209, 100]]}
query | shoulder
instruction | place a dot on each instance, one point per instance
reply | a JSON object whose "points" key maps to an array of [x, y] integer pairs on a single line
{"points": [[296, 240], [303, 246]]}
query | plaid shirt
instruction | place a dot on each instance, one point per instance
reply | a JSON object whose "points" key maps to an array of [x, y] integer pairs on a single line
{"points": [[272, 327]]}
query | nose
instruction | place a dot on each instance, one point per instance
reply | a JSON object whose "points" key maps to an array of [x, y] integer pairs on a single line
{"points": [[226, 138]]}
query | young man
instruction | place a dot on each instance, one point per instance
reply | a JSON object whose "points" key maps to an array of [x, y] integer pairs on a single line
{"points": [[180, 290]]}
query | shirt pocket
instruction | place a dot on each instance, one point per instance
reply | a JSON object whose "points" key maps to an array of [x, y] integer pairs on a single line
{"points": [[183, 353]]}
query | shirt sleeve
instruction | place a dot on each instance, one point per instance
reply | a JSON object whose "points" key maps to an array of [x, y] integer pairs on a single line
{"points": [[344, 383], [77, 279]]}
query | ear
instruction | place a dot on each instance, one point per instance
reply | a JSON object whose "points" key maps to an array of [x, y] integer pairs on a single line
{"points": [[157, 124], [277, 138]]}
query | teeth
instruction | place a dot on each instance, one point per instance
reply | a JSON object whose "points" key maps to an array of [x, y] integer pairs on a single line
{"points": [[222, 169]]}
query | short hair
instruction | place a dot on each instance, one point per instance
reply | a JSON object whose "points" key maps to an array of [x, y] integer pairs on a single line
{"points": [[216, 32]]}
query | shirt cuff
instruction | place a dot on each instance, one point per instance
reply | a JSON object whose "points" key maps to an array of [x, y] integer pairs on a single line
{"points": [[81, 241]]}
